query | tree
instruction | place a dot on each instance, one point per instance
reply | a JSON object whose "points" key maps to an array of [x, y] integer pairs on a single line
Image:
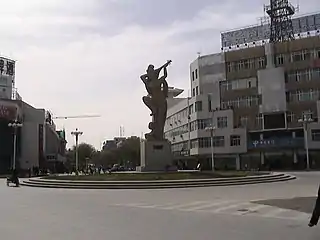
{"points": [[127, 154], [86, 153]]}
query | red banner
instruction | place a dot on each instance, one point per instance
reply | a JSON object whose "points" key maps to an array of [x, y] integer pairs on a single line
{"points": [[8, 112]]}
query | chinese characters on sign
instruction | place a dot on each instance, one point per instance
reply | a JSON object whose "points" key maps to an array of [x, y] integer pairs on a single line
{"points": [[276, 143], [263, 142], [7, 67], [262, 32]]}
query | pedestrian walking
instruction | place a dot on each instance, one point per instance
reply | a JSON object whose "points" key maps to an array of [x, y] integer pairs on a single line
{"points": [[316, 212]]}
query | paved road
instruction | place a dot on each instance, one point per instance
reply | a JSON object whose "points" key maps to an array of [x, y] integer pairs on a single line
{"points": [[239, 212]]}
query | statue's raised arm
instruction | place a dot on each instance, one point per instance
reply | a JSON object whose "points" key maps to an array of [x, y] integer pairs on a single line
{"points": [[164, 66]]}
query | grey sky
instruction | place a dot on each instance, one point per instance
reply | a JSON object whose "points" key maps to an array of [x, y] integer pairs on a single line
{"points": [[80, 57]]}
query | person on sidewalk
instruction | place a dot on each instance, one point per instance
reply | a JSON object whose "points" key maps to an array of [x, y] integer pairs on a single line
{"points": [[316, 212]]}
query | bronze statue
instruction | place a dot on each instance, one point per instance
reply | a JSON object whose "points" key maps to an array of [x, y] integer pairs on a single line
{"points": [[156, 100]]}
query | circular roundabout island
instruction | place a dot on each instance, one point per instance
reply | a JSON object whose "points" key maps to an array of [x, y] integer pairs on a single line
{"points": [[156, 180]]}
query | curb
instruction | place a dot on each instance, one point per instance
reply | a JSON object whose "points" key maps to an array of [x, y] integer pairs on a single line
{"points": [[156, 184]]}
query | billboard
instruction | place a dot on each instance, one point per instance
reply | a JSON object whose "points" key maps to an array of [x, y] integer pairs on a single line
{"points": [[262, 32]]}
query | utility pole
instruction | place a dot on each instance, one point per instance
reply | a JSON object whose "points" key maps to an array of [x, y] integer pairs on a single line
{"points": [[211, 130], [76, 134], [305, 121]]}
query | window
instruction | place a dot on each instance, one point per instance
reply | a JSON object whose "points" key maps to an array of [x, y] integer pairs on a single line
{"points": [[297, 56], [197, 90], [304, 95], [193, 92], [204, 142], [251, 63], [235, 140], [243, 121], [315, 74], [298, 76], [229, 66], [303, 75], [246, 64], [209, 103], [196, 73], [235, 84], [261, 62], [315, 135], [259, 120], [198, 106], [291, 77], [241, 64], [222, 122], [218, 141], [191, 109], [192, 75], [194, 143], [290, 117], [280, 59], [203, 123], [307, 54], [314, 95]]}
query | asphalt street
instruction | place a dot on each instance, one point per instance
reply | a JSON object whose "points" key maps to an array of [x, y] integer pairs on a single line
{"points": [[264, 211]]}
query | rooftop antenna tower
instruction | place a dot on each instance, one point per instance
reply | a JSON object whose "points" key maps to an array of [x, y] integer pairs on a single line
{"points": [[121, 131], [280, 13]]}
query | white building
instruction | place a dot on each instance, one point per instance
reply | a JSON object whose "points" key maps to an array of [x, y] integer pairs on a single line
{"points": [[193, 144], [256, 98]]}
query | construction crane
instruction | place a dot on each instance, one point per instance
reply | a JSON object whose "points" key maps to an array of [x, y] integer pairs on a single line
{"points": [[78, 116]]}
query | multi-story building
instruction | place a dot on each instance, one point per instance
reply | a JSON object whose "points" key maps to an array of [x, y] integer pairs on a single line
{"points": [[36, 138], [113, 144], [255, 97], [54, 145]]}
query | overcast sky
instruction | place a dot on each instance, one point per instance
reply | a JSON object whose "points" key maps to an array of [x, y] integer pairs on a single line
{"points": [[80, 57]]}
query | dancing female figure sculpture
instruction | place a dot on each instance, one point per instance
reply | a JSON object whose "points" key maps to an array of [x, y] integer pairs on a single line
{"points": [[156, 100]]}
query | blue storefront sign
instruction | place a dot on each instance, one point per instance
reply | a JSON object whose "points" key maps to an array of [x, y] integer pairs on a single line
{"points": [[277, 143]]}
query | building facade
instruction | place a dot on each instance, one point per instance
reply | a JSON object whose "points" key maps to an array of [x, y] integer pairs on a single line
{"points": [[36, 138], [113, 144], [254, 98]]}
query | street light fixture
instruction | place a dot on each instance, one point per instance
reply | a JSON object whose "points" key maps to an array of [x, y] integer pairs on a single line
{"points": [[15, 125], [211, 130], [305, 121], [76, 134]]}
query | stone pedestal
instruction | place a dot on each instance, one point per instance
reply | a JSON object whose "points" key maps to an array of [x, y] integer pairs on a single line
{"points": [[155, 155]]}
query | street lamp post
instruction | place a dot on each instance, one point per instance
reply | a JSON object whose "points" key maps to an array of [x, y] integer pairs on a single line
{"points": [[76, 134], [15, 125], [305, 121], [211, 129]]}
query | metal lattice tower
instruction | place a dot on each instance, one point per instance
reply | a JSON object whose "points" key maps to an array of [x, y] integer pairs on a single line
{"points": [[280, 13]]}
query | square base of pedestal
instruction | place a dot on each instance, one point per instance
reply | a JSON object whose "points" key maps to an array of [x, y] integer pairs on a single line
{"points": [[155, 156]]}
